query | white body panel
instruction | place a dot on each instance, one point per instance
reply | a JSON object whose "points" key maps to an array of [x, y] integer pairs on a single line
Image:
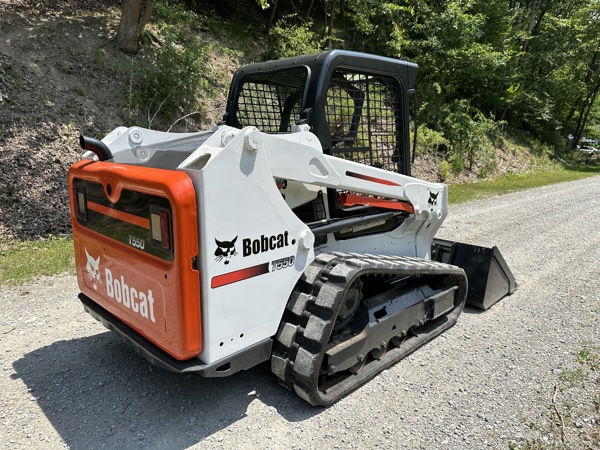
{"points": [[238, 199], [245, 292]]}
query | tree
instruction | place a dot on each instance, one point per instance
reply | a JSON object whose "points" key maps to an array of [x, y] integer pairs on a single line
{"points": [[264, 5], [136, 14]]}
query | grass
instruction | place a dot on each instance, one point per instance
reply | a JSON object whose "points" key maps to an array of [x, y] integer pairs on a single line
{"points": [[22, 261], [460, 193], [590, 356]]}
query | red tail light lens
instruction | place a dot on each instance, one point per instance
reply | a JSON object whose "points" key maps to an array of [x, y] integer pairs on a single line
{"points": [[165, 230]]}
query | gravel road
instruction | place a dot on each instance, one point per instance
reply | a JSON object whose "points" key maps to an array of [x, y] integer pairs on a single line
{"points": [[505, 378]]}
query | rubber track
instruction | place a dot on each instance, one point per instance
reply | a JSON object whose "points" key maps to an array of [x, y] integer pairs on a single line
{"points": [[310, 315]]}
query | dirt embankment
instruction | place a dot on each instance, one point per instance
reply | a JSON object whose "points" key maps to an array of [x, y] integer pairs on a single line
{"points": [[59, 76]]}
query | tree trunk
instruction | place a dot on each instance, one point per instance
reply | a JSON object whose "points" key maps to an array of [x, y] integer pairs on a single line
{"points": [[135, 15], [271, 15], [584, 113], [590, 107], [566, 129], [534, 25], [307, 15], [592, 82], [330, 24]]}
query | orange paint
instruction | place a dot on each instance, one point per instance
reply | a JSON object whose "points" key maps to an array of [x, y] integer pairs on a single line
{"points": [[157, 298], [125, 217], [349, 200]]}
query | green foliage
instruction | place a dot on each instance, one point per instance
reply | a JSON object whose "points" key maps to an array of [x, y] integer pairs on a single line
{"points": [[173, 74], [289, 38], [173, 13], [431, 141], [444, 170], [264, 4], [531, 65], [171, 81], [488, 165], [574, 377], [379, 27], [466, 130], [589, 356]]}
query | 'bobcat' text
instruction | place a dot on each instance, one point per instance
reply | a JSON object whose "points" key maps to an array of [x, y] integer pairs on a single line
{"points": [[139, 302], [265, 243]]}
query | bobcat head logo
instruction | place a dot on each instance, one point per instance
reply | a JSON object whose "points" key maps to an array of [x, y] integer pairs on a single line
{"points": [[93, 270], [433, 198], [225, 250]]}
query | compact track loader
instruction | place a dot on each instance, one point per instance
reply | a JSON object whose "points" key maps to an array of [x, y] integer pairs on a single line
{"points": [[292, 232]]}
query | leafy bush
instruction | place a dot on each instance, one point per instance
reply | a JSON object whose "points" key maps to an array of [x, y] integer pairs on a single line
{"points": [[466, 129], [172, 74], [292, 39], [170, 82], [487, 168], [173, 12], [444, 170], [431, 141]]}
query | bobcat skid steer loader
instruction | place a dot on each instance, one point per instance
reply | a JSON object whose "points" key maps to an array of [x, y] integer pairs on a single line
{"points": [[292, 232]]}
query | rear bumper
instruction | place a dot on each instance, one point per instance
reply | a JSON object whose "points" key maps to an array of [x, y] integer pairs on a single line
{"points": [[242, 360]]}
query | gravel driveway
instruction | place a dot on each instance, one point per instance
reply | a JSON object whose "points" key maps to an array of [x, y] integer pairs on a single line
{"points": [[505, 378]]}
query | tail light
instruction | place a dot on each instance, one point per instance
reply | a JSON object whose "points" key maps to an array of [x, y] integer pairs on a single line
{"points": [[160, 223], [80, 203]]}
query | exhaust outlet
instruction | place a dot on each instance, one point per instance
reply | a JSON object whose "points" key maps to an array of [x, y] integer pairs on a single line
{"points": [[94, 145]]}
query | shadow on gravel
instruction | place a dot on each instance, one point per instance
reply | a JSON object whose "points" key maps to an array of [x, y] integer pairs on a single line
{"points": [[97, 392], [473, 310]]}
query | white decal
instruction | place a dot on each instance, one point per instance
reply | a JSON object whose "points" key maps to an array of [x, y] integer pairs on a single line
{"points": [[282, 263], [140, 302], [93, 271], [137, 242]]}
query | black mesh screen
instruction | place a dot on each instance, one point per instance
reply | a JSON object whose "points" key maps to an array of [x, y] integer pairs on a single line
{"points": [[271, 102], [363, 111], [363, 114]]}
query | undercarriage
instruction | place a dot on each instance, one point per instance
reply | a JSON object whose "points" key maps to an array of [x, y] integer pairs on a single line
{"points": [[352, 316]]}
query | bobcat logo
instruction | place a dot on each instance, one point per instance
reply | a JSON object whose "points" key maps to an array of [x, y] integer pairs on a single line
{"points": [[433, 198], [225, 250], [93, 272]]}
